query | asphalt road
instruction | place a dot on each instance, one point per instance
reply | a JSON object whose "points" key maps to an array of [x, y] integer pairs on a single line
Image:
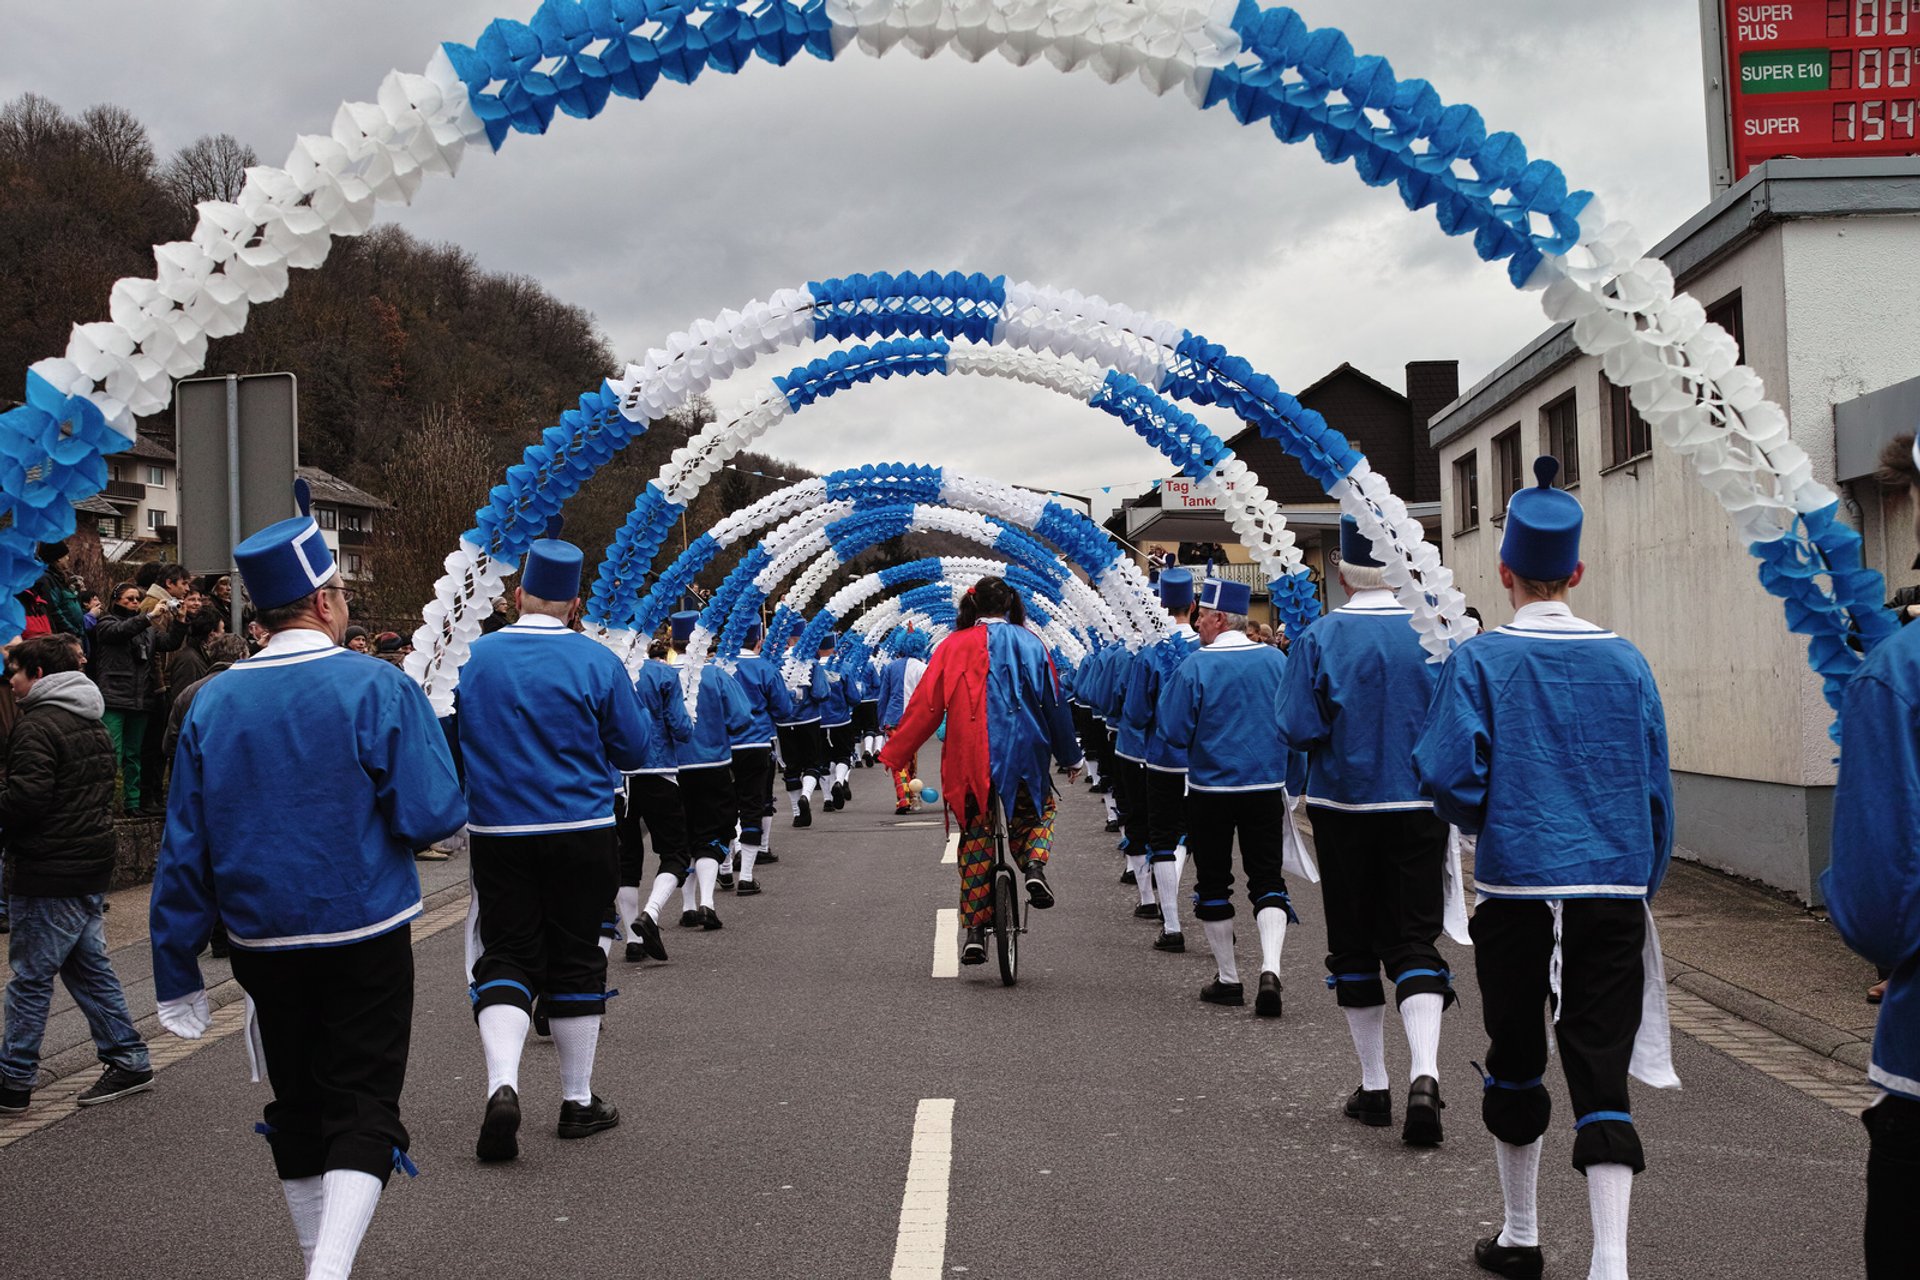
{"points": [[1106, 1123]]}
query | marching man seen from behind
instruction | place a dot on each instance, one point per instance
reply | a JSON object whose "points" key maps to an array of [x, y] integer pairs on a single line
{"points": [[1870, 890], [548, 722], [1237, 769], [1546, 738], [993, 682], [304, 780], [1357, 691]]}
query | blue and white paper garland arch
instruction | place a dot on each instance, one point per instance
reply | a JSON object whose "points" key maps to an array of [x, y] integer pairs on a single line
{"points": [[1185, 442], [1266, 65]]}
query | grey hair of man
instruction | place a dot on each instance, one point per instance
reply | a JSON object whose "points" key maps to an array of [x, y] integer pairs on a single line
{"points": [[1362, 577]]}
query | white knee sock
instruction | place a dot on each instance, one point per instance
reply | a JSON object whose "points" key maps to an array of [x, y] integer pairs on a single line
{"points": [[351, 1198], [306, 1199], [793, 804], [841, 772], [1272, 923], [1609, 1193], [626, 908], [1166, 887], [706, 871], [748, 854], [663, 886], [1220, 939], [1142, 877], [1179, 861], [1368, 1027], [1421, 1015], [690, 890], [576, 1039], [1519, 1190], [726, 863], [806, 786], [503, 1034], [1113, 810], [606, 945]]}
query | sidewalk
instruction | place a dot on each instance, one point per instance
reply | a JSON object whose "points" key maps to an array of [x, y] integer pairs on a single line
{"points": [[68, 1047]]}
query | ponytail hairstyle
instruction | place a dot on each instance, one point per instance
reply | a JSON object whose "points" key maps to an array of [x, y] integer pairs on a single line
{"points": [[990, 598]]}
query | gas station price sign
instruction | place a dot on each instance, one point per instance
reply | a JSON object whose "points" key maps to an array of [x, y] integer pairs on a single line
{"points": [[1812, 78]]}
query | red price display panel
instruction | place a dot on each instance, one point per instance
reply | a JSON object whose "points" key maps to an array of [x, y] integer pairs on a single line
{"points": [[1814, 78]]}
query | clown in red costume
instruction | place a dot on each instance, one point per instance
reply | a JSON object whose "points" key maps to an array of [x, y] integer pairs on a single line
{"points": [[995, 685]]}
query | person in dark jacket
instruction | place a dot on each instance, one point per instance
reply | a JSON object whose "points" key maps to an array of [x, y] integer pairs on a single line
{"points": [[61, 848], [222, 651], [124, 643], [54, 587], [191, 662]]}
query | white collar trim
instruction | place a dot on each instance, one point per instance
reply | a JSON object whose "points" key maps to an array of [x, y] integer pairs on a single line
{"points": [[1550, 616], [295, 644], [536, 622], [1234, 640]]}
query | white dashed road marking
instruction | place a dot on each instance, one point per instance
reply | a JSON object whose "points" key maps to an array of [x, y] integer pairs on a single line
{"points": [[920, 1250], [946, 931], [952, 854]]}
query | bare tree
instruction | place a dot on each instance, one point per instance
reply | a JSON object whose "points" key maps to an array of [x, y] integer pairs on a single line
{"points": [[211, 167], [32, 127], [435, 479], [115, 137]]}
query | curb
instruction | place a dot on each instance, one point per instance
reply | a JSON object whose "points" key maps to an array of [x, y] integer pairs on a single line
{"points": [[1844, 1047], [82, 1056]]}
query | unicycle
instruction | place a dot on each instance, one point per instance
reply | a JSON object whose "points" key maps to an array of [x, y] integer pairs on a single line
{"points": [[1008, 901]]}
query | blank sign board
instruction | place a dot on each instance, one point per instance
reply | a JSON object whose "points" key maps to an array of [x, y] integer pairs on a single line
{"points": [[269, 440]]}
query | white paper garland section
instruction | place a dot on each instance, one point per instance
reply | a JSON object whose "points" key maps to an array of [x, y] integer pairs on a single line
{"points": [[1165, 46], [1684, 375], [877, 622]]}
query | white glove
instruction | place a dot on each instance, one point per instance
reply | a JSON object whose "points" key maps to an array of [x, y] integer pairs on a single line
{"points": [[188, 1017]]}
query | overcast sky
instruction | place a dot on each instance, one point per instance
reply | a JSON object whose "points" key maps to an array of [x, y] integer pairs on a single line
{"points": [[703, 197]]}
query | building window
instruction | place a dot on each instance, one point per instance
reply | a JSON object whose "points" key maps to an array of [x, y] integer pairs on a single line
{"points": [[356, 566], [1466, 492], [1729, 315], [1561, 421], [1628, 435], [350, 521], [156, 519], [1506, 466], [157, 477], [113, 471], [327, 516]]}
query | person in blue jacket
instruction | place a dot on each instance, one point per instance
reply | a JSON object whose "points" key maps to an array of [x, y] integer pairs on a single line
{"points": [[1546, 738], [303, 783], [1162, 780], [767, 701], [1871, 890], [836, 720], [803, 743], [721, 715], [548, 721], [1092, 729], [1129, 776], [866, 711], [652, 809], [1356, 695], [1237, 769], [898, 679]]}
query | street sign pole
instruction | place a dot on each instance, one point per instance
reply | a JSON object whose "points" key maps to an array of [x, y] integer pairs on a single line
{"points": [[233, 498]]}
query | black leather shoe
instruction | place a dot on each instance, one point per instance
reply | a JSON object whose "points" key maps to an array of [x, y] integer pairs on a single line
{"points": [[767, 857], [1113, 825], [1515, 1261], [649, 931], [1422, 1128], [499, 1132], [746, 889], [1101, 787], [974, 949], [1229, 993], [1267, 1002], [1147, 911], [724, 880], [708, 920], [1371, 1107], [1039, 893], [1170, 941], [689, 919], [579, 1119], [842, 793], [636, 952], [1127, 877], [805, 816]]}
